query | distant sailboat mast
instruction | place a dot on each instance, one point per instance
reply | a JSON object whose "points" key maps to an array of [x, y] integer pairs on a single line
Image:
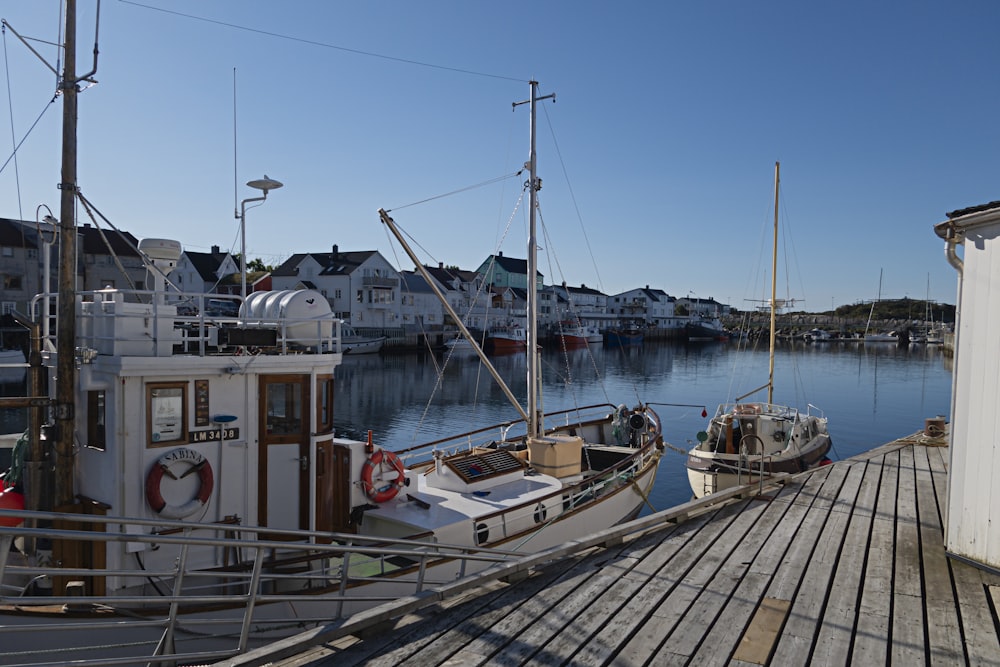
{"points": [[877, 299], [774, 286]]}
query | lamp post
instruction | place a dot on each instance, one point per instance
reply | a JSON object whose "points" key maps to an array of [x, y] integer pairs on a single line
{"points": [[264, 184]]}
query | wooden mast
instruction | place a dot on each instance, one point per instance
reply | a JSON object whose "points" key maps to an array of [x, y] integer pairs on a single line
{"points": [[774, 285], [66, 311]]}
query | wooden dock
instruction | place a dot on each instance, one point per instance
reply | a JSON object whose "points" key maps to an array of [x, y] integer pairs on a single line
{"points": [[841, 565]]}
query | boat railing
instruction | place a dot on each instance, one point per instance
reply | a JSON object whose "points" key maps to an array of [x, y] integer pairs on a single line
{"points": [[228, 602], [147, 323], [499, 434]]}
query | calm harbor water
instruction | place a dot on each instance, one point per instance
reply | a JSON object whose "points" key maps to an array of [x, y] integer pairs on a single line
{"points": [[871, 395]]}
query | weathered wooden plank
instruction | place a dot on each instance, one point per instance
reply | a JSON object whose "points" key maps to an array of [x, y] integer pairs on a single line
{"points": [[835, 637], [789, 575], [872, 633], [761, 634], [701, 560], [979, 632], [407, 639], [690, 632], [810, 598], [674, 559], [944, 638], [908, 593], [724, 636]]}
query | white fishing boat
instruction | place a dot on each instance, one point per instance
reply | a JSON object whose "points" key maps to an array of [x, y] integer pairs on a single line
{"points": [[571, 335], [354, 343], [190, 498], [747, 441]]}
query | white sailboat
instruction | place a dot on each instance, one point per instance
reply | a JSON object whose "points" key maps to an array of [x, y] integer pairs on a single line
{"points": [[196, 502], [747, 441], [878, 337]]}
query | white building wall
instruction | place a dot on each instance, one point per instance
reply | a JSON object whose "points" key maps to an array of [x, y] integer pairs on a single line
{"points": [[973, 511]]}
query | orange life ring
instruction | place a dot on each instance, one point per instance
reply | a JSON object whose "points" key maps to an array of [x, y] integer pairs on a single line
{"points": [[389, 491], [198, 463], [747, 409]]}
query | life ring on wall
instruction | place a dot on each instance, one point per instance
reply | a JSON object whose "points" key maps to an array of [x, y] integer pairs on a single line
{"points": [[389, 491], [198, 463]]}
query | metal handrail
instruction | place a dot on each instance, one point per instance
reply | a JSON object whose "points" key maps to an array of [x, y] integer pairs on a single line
{"points": [[235, 609]]}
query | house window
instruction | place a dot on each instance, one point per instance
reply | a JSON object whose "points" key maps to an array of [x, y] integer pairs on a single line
{"points": [[361, 296], [336, 294], [96, 412], [166, 413], [32, 253], [7, 307], [11, 282], [8, 252]]}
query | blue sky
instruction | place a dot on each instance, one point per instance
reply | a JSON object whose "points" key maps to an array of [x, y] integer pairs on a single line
{"points": [[657, 157]]}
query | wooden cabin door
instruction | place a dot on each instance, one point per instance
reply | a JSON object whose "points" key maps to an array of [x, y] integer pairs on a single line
{"points": [[283, 458]]}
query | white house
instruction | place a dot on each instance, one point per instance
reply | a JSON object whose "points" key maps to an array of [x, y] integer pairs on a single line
{"points": [[650, 306], [206, 272], [972, 522], [419, 308], [361, 286]]}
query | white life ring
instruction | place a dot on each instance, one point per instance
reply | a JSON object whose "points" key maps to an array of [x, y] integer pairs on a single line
{"points": [[197, 463]]}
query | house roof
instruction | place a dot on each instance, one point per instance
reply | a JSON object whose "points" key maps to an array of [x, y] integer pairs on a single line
{"points": [[207, 263], [512, 265], [93, 242], [12, 235], [414, 283], [583, 289], [332, 264]]}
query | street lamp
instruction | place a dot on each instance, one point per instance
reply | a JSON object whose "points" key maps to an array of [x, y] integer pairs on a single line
{"points": [[263, 184]]}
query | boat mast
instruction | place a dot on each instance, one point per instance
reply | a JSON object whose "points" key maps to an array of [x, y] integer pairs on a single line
{"points": [[391, 224], [774, 285], [66, 310], [534, 185]]}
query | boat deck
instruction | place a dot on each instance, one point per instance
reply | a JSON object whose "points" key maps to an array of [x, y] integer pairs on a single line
{"points": [[844, 564]]}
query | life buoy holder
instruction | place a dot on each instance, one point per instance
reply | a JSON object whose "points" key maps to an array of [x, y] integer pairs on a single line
{"points": [[391, 488], [197, 463]]}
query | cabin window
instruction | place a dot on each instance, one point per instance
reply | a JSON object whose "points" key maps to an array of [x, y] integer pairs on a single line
{"points": [[166, 413], [324, 404], [96, 420], [284, 408]]}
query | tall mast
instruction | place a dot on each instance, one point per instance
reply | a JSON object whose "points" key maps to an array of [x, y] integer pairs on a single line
{"points": [[774, 284], [534, 185], [66, 311]]}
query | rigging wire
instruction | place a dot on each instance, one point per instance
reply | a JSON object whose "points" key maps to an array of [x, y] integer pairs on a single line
{"points": [[572, 195], [455, 192], [301, 40], [13, 139]]}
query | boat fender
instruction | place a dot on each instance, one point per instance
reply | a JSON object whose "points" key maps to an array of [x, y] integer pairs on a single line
{"points": [[390, 489], [197, 463]]}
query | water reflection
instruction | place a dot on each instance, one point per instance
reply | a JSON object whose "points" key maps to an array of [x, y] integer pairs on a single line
{"points": [[871, 394]]}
